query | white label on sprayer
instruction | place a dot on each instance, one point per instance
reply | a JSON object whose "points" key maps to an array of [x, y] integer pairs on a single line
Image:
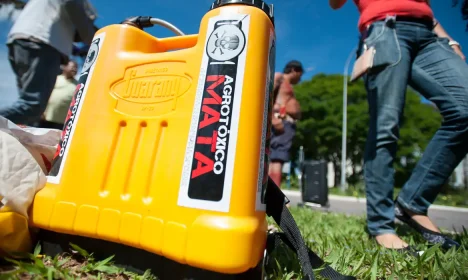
{"points": [[74, 110], [208, 169]]}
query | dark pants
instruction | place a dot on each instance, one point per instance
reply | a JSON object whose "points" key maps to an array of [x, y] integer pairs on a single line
{"points": [[280, 144], [50, 125], [36, 67], [410, 53]]}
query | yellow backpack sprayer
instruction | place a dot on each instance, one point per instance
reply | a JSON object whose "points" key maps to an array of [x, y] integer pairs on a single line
{"points": [[163, 152]]}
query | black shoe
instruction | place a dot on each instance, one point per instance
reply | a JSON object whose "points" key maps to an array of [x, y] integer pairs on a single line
{"points": [[430, 236], [410, 250]]}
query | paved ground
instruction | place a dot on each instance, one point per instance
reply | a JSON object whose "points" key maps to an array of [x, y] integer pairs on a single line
{"points": [[449, 218]]}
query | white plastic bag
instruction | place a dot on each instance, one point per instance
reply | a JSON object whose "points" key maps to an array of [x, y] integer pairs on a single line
{"points": [[40, 142], [25, 157]]}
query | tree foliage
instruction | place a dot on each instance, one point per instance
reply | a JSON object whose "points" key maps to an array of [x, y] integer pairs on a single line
{"points": [[464, 9], [320, 129]]}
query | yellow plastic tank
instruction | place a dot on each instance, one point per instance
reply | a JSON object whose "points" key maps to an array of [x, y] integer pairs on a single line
{"points": [[163, 147], [14, 233]]}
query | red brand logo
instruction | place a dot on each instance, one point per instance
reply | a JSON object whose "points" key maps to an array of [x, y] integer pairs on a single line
{"points": [[214, 124]]}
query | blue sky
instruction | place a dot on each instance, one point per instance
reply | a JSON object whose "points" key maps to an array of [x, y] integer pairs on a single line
{"points": [[307, 30]]}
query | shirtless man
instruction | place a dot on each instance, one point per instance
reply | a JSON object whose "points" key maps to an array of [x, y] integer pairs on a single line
{"points": [[287, 110]]}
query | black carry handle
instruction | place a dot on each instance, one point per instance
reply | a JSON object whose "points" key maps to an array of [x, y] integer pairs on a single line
{"points": [[276, 208]]}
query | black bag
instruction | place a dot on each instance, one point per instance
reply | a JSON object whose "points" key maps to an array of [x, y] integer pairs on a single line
{"points": [[314, 182], [276, 208]]}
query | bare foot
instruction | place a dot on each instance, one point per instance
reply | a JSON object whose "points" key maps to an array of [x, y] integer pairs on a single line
{"points": [[272, 228], [423, 221], [391, 241]]}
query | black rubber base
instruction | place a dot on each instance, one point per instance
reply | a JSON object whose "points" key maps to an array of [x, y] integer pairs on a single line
{"points": [[136, 260]]}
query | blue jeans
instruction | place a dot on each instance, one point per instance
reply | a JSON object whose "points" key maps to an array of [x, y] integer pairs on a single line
{"points": [[409, 53], [36, 67]]}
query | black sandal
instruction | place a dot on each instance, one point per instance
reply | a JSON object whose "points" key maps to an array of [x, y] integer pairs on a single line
{"points": [[430, 236], [408, 250]]}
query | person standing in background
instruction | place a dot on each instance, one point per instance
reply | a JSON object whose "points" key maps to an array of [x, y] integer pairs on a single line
{"points": [[61, 97], [286, 110], [407, 46], [41, 40]]}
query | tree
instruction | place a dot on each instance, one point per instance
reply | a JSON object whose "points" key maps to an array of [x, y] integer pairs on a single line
{"points": [[464, 9], [357, 127], [319, 131], [10, 9]]}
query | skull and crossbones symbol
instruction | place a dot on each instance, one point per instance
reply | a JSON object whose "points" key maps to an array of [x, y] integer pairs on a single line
{"points": [[225, 42]]}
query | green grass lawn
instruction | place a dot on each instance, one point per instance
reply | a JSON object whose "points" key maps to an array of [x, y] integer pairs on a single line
{"points": [[344, 243], [341, 240], [456, 198], [452, 197]]}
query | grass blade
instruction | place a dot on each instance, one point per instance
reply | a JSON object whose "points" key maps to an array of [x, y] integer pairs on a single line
{"points": [[50, 274], [37, 250], [375, 265], [358, 266], [80, 251]]}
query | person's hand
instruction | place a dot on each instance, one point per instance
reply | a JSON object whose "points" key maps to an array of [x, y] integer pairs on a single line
{"points": [[458, 51], [336, 4], [293, 108]]}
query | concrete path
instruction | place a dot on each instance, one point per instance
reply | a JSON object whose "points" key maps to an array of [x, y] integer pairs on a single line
{"points": [[445, 217]]}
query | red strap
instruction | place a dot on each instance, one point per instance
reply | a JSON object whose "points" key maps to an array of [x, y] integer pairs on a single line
{"points": [[47, 163], [282, 111]]}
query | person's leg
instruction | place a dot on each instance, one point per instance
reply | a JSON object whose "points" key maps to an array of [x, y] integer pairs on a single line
{"points": [[275, 172], [36, 67], [442, 77], [386, 85], [279, 151]]}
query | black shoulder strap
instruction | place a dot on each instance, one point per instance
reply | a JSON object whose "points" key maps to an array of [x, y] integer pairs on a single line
{"points": [[276, 208]]}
